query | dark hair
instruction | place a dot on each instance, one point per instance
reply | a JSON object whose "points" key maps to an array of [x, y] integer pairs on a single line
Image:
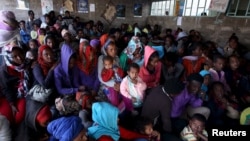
{"points": [[133, 65], [217, 57], [51, 37], [34, 41], [171, 57], [153, 55], [169, 30], [141, 122], [198, 117], [233, 37], [195, 45], [107, 58], [213, 84], [195, 77], [22, 21], [30, 12]]}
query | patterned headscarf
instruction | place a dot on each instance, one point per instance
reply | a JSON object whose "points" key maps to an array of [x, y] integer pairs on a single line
{"points": [[133, 44]]}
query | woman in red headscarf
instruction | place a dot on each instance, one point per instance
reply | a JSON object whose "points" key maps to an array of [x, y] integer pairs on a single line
{"points": [[43, 71], [87, 63]]}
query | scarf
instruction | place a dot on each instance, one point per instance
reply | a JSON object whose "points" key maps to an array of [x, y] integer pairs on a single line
{"points": [[87, 60], [17, 70], [105, 117], [44, 65]]}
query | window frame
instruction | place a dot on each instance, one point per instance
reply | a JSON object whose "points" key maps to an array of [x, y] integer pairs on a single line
{"points": [[26, 4], [171, 11], [234, 13]]}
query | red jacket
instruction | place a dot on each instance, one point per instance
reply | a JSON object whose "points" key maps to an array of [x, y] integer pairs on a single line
{"points": [[108, 74], [124, 134]]}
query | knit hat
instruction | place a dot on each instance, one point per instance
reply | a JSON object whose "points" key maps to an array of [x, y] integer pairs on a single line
{"points": [[8, 27], [95, 43], [195, 77], [5, 131], [173, 86], [181, 35], [43, 116], [204, 73], [64, 31]]}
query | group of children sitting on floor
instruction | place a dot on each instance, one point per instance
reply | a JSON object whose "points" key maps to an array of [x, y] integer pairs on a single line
{"points": [[119, 86]]}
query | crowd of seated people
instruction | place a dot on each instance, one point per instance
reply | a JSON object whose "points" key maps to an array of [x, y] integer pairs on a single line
{"points": [[69, 80]]}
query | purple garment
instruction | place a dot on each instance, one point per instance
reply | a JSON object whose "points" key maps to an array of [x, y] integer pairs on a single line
{"points": [[181, 101], [91, 81], [66, 81]]}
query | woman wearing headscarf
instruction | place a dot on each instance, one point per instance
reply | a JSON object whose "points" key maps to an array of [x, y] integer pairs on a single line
{"points": [[133, 53], [14, 84], [87, 63], [106, 126]]}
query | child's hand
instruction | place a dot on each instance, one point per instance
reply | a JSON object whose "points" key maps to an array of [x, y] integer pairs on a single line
{"points": [[134, 81], [117, 87], [156, 134], [133, 99]]}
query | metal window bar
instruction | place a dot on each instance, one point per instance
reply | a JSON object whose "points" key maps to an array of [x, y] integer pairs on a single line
{"points": [[248, 9], [197, 8], [236, 8]]}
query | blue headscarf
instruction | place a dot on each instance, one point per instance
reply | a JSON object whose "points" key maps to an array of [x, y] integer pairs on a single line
{"points": [[65, 128], [105, 117]]}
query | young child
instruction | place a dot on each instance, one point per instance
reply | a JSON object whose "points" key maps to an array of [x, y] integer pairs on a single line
{"points": [[150, 71], [133, 88], [32, 53], [193, 62], [217, 73], [206, 81], [110, 71], [223, 110], [195, 130], [144, 126]]}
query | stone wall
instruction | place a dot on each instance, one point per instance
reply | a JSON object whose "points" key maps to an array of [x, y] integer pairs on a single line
{"points": [[212, 28]]}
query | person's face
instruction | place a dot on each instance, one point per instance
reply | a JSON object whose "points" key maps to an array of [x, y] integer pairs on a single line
{"points": [[117, 35], [47, 55], [154, 62], [233, 44], [32, 45], [50, 43], [67, 37], [111, 50], [59, 104], [196, 126], [72, 62], [234, 63], [168, 41], [32, 15], [80, 34], [137, 51], [218, 92], [22, 25], [206, 80], [197, 51], [148, 129], [194, 87], [219, 64], [108, 64], [47, 20], [133, 73], [17, 56]]}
